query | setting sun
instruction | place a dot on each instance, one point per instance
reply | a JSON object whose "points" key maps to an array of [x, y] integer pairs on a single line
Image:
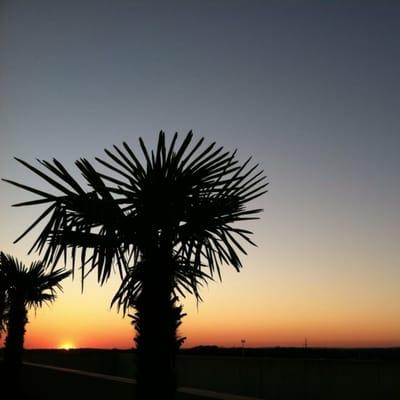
{"points": [[67, 346]]}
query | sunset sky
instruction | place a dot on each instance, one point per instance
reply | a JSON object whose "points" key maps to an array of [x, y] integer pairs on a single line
{"points": [[310, 89]]}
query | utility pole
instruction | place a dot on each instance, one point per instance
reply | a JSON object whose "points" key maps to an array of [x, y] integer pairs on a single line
{"points": [[243, 341]]}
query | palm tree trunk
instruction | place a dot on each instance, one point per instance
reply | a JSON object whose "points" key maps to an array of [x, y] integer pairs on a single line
{"points": [[156, 320], [14, 342]]}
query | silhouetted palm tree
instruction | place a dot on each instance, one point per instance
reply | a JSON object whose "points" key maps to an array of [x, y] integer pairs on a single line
{"points": [[25, 287], [163, 222]]}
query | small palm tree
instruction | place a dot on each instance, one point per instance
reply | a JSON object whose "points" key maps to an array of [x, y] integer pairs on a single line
{"points": [[167, 223], [3, 292], [24, 288]]}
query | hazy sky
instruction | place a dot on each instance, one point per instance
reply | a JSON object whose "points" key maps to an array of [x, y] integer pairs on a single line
{"points": [[310, 89]]}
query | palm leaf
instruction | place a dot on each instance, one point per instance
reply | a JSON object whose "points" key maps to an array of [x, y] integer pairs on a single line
{"points": [[190, 195]]}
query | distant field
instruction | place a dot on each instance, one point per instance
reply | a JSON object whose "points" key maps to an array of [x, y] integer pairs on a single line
{"points": [[264, 377]]}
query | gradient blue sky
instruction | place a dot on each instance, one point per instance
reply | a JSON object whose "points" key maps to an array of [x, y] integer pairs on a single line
{"points": [[310, 89]]}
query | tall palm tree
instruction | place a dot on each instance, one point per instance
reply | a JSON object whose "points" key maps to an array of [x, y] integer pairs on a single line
{"points": [[25, 287], [167, 222]]}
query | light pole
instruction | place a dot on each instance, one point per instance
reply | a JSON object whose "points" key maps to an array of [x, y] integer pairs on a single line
{"points": [[243, 341]]}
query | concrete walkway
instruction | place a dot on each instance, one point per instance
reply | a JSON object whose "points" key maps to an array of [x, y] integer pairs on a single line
{"points": [[185, 390]]}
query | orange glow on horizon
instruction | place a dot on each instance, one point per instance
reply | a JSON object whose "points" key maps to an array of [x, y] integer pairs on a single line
{"points": [[269, 317], [67, 346]]}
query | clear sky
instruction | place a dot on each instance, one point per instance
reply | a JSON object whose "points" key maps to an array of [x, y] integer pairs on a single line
{"points": [[310, 89]]}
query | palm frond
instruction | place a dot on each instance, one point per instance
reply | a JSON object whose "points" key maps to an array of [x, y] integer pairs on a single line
{"points": [[187, 194], [34, 284]]}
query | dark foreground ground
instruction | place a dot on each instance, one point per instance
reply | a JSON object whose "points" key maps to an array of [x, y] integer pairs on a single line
{"points": [[40, 384], [45, 384], [370, 375]]}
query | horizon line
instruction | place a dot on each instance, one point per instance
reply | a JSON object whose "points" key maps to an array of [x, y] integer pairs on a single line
{"points": [[227, 348]]}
